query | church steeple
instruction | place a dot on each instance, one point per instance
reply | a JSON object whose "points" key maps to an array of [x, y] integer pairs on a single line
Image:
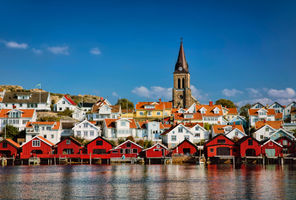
{"points": [[181, 65]]}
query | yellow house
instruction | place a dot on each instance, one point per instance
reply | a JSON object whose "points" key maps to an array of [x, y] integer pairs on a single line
{"points": [[153, 110]]}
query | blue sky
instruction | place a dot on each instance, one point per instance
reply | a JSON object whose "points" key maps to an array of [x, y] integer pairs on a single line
{"points": [[241, 50]]}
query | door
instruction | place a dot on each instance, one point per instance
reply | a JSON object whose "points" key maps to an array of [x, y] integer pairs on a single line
{"points": [[270, 152], [250, 152], [186, 151], [223, 151]]}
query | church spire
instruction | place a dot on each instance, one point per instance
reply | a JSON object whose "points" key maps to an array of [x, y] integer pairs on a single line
{"points": [[181, 65]]}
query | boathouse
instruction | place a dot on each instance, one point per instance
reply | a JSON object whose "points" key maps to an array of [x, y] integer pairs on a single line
{"points": [[185, 148], [271, 149], [9, 148], [68, 146], [156, 151], [38, 146], [248, 147], [220, 146], [126, 151], [99, 148], [288, 144]]}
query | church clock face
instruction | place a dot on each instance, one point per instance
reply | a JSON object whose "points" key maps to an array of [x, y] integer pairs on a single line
{"points": [[180, 68]]}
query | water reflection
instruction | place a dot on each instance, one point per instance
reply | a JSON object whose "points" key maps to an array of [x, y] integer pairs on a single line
{"points": [[148, 182]]}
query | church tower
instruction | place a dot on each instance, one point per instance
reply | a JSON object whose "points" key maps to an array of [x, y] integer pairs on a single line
{"points": [[182, 97]]}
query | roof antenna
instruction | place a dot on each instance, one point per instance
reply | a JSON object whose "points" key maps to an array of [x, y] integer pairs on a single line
{"points": [[181, 39]]}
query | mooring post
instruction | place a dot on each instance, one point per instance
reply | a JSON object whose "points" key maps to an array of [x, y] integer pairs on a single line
{"points": [[90, 158]]}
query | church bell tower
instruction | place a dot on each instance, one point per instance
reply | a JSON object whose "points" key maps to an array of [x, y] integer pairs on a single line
{"points": [[182, 97]]}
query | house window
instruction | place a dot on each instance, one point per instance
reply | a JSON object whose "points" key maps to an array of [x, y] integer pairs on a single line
{"points": [[141, 113], [64, 102], [85, 133], [4, 145], [45, 136], [128, 144], [36, 143], [85, 125], [91, 133], [173, 138], [196, 128], [285, 142], [127, 151], [267, 129], [123, 123], [78, 133], [211, 150], [285, 151], [68, 141], [221, 141], [250, 142], [197, 135], [158, 113], [149, 113], [186, 137], [180, 130], [122, 151], [135, 150], [99, 142]]}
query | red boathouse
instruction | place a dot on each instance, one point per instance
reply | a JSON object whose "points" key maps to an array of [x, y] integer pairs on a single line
{"points": [[185, 148], [38, 146], [220, 145], [289, 146], [99, 148], [68, 147], [248, 146], [127, 149], [9, 148], [156, 151], [272, 149]]}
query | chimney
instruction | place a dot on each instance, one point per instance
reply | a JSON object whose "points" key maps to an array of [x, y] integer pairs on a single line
{"points": [[264, 121], [210, 103], [234, 123], [13, 106], [102, 98], [159, 100]]}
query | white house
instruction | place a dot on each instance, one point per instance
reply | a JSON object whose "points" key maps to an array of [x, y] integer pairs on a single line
{"points": [[49, 130], [85, 106], [231, 131], [277, 107], [79, 114], [65, 103], [67, 128], [104, 110], [86, 130], [173, 136], [261, 114], [17, 117], [26, 100], [288, 109], [119, 128], [200, 133], [257, 106], [150, 130], [264, 129]]}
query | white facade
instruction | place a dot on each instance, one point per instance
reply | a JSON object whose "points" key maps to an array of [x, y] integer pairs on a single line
{"points": [[64, 104], [79, 114], [176, 135], [277, 107], [154, 131], [199, 133], [264, 132], [104, 112], [86, 130], [122, 128], [49, 130], [262, 114], [17, 118], [287, 110], [235, 133]]}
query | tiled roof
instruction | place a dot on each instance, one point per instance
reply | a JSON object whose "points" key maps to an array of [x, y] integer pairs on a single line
{"points": [[218, 129], [26, 113], [232, 111], [56, 125], [273, 124], [35, 97], [278, 116], [110, 123], [158, 105], [210, 110], [69, 99], [45, 140], [12, 142], [190, 125], [180, 116], [255, 111], [1, 99]]}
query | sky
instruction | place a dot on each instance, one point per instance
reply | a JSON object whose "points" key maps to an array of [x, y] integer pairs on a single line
{"points": [[239, 50]]}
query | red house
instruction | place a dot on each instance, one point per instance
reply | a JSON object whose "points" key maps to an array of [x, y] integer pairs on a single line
{"points": [[220, 145], [248, 146], [9, 148], [289, 146], [185, 148], [156, 151], [99, 147], [272, 149], [37, 146], [68, 147], [128, 149]]}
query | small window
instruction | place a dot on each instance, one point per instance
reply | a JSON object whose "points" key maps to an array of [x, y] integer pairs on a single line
{"points": [[285, 142], [91, 133], [128, 144], [135, 150], [4, 145], [174, 138], [186, 137], [99, 142], [36, 143], [261, 137], [250, 142], [52, 136], [45, 136], [122, 151], [68, 141], [211, 150], [180, 130], [128, 151], [221, 141]]}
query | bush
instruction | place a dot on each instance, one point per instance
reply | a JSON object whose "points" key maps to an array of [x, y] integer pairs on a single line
{"points": [[147, 144], [66, 112], [120, 141], [131, 138]]}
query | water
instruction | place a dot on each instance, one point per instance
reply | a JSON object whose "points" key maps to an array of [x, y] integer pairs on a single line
{"points": [[148, 182]]}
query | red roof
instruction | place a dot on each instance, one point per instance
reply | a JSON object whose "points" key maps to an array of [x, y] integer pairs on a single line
{"points": [[218, 129], [45, 140], [210, 110], [110, 123], [180, 116], [279, 116], [255, 111], [56, 125], [12, 142], [232, 111], [70, 100], [26, 113], [273, 124], [158, 105]]}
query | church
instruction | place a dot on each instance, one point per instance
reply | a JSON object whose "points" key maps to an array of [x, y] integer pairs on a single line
{"points": [[182, 97]]}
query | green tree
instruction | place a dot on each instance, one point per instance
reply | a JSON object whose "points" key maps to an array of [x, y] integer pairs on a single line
{"points": [[294, 132], [131, 138], [225, 103], [125, 104], [11, 132], [207, 126], [66, 112], [243, 111]]}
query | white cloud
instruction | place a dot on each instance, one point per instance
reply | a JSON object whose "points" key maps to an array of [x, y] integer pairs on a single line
{"points": [[254, 92], [63, 50], [263, 101], [115, 94], [15, 45], [153, 92], [231, 92], [95, 51], [285, 93], [37, 51], [198, 94]]}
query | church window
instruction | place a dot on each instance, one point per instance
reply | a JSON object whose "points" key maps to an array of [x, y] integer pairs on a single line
{"points": [[183, 83], [179, 83]]}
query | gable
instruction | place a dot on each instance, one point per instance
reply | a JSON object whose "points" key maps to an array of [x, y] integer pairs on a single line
{"points": [[214, 140]]}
